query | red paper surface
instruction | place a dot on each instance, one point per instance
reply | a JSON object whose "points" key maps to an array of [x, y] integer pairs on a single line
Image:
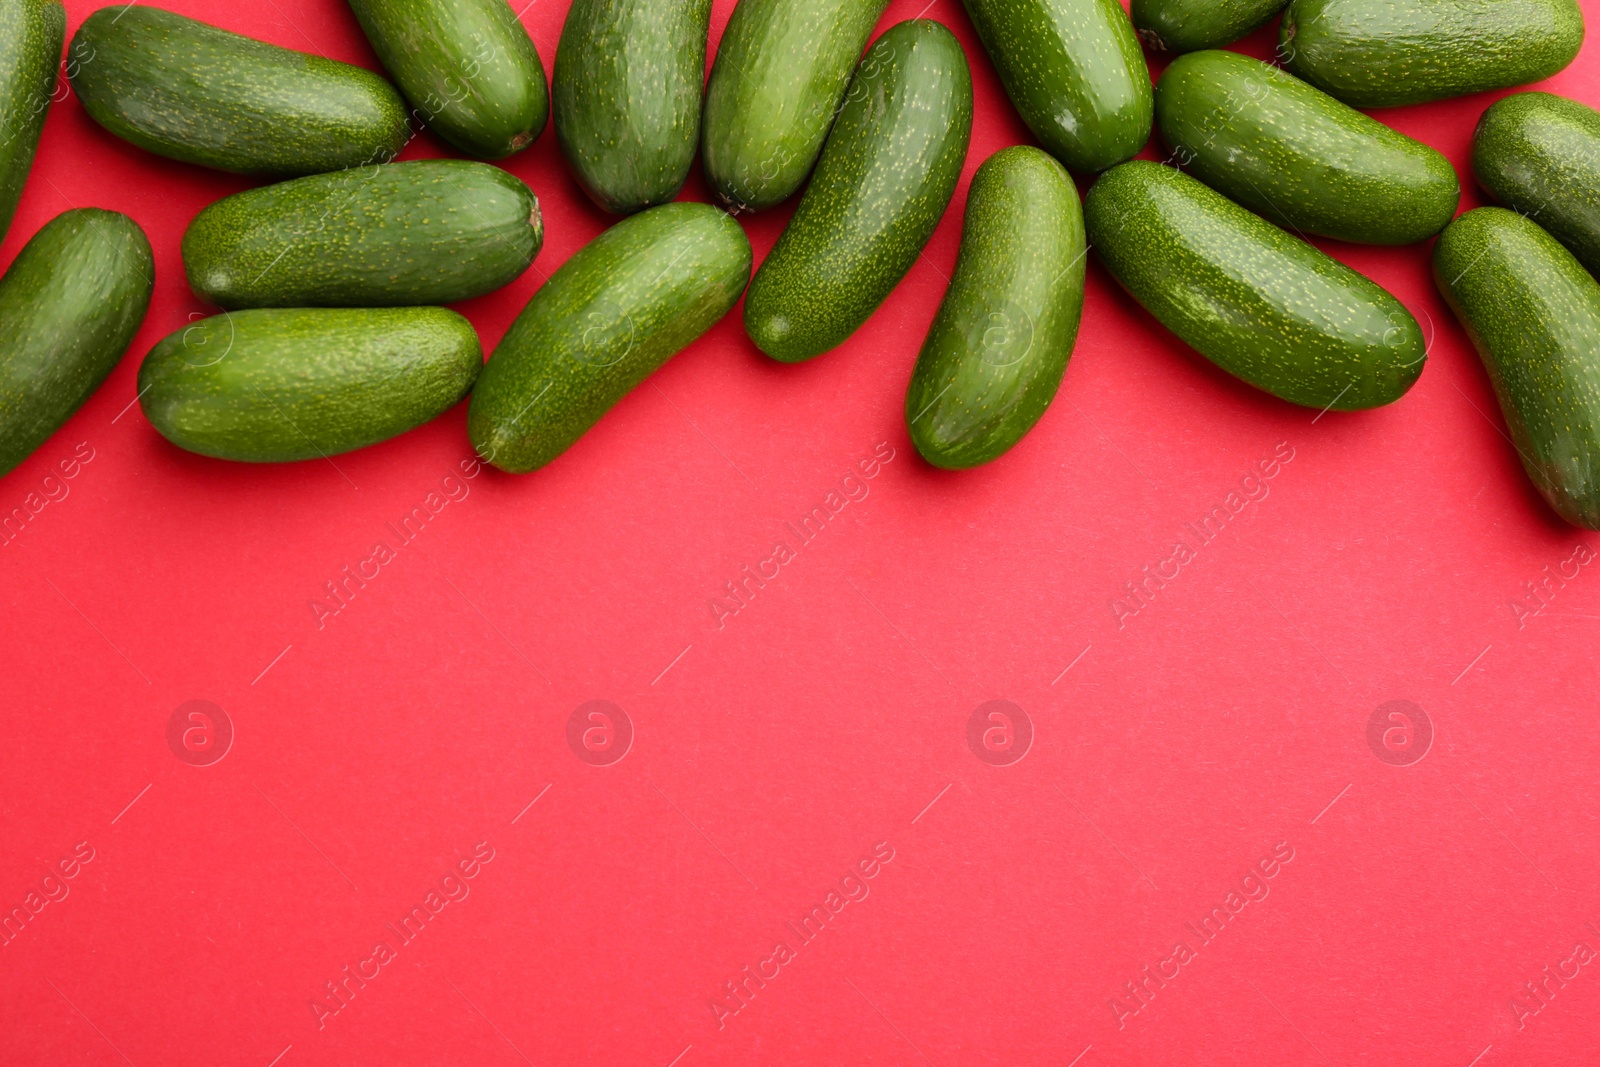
{"points": [[838, 718]]}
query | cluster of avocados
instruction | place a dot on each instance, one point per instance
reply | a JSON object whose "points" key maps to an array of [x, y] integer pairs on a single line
{"points": [[333, 336]]}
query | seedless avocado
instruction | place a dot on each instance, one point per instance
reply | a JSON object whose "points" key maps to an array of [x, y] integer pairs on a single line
{"points": [[432, 231], [1385, 53], [1533, 314], [1260, 304], [782, 68], [607, 319], [31, 32], [994, 357], [70, 304], [189, 91], [468, 66], [627, 89], [1539, 155], [1297, 156], [1075, 73], [272, 385], [1190, 25], [884, 180]]}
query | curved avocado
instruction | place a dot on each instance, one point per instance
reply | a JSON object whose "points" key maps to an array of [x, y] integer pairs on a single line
{"points": [[1075, 73], [189, 91], [1191, 25], [274, 385], [468, 66], [433, 231], [999, 345], [782, 68], [1262, 305], [1533, 314], [605, 321], [884, 180], [627, 89], [31, 32], [1385, 53], [1298, 157], [1539, 155], [70, 304]]}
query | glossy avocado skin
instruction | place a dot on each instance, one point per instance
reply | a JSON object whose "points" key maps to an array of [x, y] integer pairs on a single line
{"points": [[274, 385], [70, 304], [1075, 73], [627, 95], [782, 69], [883, 183], [627, 302], [1539, 155], [999, 345], [1533, 314], [1298, 157], [1386, 53], [1262, 305], [431, 231], [31, 32], [1191, 25], [189, 91], [468, 67]]}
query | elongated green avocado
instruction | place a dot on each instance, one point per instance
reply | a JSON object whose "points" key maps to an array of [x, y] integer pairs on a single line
{"points": [[31, 32], [189, 91], [782, 69], [432, 231], [1260, 304], [1533, 314], [273, 385], [1075, 73], [609, 318], [999, 345], [1385, 53], [1298, 157], [884, 180], [627, 90], [1191, 25], [1539, 155], [70, 304], [468, 66]]}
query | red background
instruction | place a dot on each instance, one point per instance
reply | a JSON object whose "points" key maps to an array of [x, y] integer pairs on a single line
{"points": [[821, 719]]}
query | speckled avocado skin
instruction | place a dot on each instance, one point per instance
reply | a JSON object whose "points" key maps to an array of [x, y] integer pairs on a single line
{"points": [[1298, 157], [467, 66], [432, 231], [70, 304], [189, 91], [627, 302], [31, 32], [273, 385], [1533, 314], [1539, 155], [1075, 73], [994, 357], [782, 69], [1190, 25], [1260, 304], [627, 90], [1385, 53], [886, 176]]}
